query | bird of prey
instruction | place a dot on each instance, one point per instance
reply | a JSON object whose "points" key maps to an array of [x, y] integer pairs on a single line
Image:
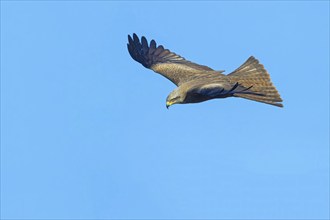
{"points": [[199, 83]]}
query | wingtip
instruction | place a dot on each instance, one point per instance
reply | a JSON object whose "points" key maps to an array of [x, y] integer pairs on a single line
{"points": [[129, 38], [134, 38], [144, 41], [153, 43]]}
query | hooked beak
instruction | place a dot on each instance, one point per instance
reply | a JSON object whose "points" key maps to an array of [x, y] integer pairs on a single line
{"points": [[168, 104]]}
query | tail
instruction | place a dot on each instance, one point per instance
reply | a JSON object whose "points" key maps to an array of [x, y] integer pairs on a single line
{"points": [[253, 74]]}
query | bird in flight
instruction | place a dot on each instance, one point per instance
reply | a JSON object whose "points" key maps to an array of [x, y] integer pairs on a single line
{"points": [[199, 83]]}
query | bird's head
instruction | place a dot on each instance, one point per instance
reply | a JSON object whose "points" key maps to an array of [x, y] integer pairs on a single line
{"points": [[175, 97]]}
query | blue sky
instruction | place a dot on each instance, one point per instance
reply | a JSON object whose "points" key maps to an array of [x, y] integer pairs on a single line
{"points": [[85, 132]]}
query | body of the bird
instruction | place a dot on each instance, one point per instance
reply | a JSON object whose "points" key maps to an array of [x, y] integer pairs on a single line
{"points": [[198, 83]]}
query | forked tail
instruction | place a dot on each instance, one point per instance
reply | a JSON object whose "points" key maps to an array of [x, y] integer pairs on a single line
{"points": [[253, 74]]}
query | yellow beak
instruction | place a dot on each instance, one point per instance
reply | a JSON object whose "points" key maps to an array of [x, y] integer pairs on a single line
{"points": [[168, 104]]}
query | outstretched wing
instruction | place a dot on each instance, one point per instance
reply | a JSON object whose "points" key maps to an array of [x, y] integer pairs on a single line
{"points": [[165, 62]]}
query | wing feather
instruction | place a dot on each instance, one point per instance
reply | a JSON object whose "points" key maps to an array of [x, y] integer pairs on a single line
{"points": [[163, 61]]}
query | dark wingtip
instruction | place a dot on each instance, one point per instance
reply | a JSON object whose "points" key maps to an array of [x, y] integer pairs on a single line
{"points": [[144, 44], [139, 50], [153, 43], [136, 38]]}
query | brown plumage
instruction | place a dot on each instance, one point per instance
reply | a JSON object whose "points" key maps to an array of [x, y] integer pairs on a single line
{"points": [[198, 83]]}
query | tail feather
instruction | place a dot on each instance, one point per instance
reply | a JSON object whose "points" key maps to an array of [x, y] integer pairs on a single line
{"points": [[253, 74]]}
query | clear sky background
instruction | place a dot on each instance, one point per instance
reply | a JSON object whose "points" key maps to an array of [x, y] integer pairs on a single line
{"points": [[85, 132]]}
